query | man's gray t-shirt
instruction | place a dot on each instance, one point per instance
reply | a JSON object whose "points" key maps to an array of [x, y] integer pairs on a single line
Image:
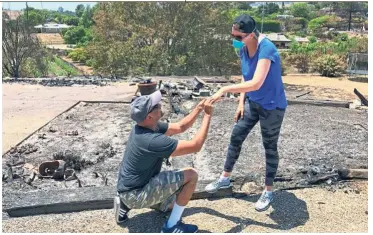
{"points": [[145, 151]]}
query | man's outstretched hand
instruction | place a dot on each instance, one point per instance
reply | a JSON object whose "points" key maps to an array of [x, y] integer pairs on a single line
{"points": [[201, 105], [209, 108]]}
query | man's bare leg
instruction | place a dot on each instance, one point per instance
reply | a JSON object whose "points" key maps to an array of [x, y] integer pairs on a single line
{"points": [[182, 199], [190, 183]]}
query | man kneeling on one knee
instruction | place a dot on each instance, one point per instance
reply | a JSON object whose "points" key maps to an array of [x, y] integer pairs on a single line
{"points": [[141, 184]]}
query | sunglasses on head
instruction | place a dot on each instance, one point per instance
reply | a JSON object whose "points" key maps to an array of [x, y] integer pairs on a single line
{"points": [[237, 34]]}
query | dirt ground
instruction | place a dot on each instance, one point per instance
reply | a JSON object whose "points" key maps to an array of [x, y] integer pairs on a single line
{"points": [[327, 88], [323, 87], [308, 210], [28, 107]]}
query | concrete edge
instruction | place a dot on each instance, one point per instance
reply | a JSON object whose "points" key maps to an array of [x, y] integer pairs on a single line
{"points": [[105, 102], [19, 204], [338, 104], [325, 103]]}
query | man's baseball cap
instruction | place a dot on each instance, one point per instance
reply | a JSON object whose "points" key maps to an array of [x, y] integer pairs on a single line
{"points": [[142, 105], [245, 23]]}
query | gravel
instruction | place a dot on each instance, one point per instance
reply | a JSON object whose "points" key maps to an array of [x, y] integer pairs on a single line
{"points": [[306, 210]]}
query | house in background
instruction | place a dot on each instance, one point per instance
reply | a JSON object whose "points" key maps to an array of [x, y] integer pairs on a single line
{"points": [[301, 40], [51, 27], [280, 40], [283, 17]]}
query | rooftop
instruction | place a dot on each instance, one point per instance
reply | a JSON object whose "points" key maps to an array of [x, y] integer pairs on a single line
{"points": [[300, 39], [52, 26], [277, 37]]}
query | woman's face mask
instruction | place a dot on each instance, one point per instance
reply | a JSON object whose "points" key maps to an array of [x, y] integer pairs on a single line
{"points": [[237, 41], [237, 44]]}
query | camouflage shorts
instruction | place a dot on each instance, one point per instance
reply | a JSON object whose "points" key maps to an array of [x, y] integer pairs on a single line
{"points": [[159, 193]]}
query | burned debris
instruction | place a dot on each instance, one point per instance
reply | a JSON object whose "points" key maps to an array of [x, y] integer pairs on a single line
{"points": [[84, 146]]}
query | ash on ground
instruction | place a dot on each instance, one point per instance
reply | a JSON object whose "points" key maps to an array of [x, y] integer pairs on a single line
{"points": [[314, 143]]}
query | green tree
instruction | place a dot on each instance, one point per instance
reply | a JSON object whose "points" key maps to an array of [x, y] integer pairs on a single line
{"points": [[79, 10], [18, 45], [242, 5], [35, 17], [71, 20], [317, 5], [74, 35], [353, 13], [269, 8], [195, 39], [86, 18], [319, 24], [302, 10], [59, 19]]}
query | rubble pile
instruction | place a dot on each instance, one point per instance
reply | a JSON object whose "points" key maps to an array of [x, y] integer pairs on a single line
{"points": [[177, 93], [60, 81]]}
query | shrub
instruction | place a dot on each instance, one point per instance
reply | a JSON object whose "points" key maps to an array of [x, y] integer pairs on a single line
{"points": [[301, 21], [77, 35], [89, 62], [35, 67], [358, 44], [284, 67], [78, 54], [330, 65], [332, 35], [342, 37], [68, 70], [28, 68], [74, 35], [300, 61], [312, 39], [316, 25], [272, 26], [268, 25]]}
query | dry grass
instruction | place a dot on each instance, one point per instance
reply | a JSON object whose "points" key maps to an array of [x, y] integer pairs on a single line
{"points": [[50, 38]]}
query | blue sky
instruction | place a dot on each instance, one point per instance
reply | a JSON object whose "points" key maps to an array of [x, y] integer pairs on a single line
{"points": [[46, 5]]}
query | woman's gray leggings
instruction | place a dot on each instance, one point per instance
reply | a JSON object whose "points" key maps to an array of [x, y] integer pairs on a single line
{"points": [[270, 124]]}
